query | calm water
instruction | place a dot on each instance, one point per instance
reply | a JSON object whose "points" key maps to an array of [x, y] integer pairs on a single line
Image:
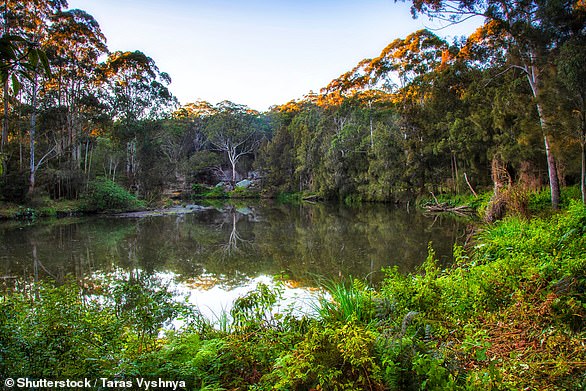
{"points": [[218, 252]]}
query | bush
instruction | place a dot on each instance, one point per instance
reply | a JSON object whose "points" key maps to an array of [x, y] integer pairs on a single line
{"points": [[106, 195], [203, 191], [216, 192], [241, 192], [198, 189], [339, 356], [55, 332]]}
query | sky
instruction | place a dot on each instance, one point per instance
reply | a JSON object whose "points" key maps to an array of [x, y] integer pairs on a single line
{"points": [[256, 52]]}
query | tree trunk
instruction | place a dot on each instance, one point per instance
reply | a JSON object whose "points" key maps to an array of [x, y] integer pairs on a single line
{"points": [[533, 76], [554, 184], [371, 124], [6, 90], [33, 127], [5, 118], [233, 172], [583, 173]]}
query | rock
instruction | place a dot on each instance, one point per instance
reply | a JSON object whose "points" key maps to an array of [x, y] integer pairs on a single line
{"points": [[245, 184]]}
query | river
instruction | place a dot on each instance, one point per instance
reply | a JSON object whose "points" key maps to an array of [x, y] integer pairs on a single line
{"points": [[217, 253]]}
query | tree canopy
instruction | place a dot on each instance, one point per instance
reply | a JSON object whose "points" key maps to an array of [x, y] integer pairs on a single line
{"points": [[423, 115]]}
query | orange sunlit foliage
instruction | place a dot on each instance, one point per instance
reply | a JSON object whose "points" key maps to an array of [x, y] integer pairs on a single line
{"points": [[332, 99], [486, 35], [96, 132], [290, 107]]}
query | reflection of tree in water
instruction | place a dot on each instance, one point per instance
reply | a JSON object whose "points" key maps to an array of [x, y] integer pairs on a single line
{"points": [[235, 243], [232, 244]]}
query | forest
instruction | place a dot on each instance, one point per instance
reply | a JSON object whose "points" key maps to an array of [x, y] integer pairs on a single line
{"points": [[504, 107], [495, 121]]}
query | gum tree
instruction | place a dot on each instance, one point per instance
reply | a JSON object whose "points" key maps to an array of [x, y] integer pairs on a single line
{"points": [[234, 130], [530, 31]]}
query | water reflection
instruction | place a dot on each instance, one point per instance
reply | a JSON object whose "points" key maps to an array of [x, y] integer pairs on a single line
{"points": [[231, 244]]}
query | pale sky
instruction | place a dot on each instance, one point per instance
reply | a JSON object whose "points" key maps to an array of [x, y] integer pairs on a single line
{"points": [[255, 52]]}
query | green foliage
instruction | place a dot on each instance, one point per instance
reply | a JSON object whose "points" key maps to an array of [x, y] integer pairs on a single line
{"points": [[198, 189], [217, 192], [56, 332], [508, 315], [539, 202], [106, 195], [63, 332], [289, 198], [517, 269], [253, 310], [241, 192], [343, 302], [26, 214], [203, 191], [338, 356], [147, 304]]}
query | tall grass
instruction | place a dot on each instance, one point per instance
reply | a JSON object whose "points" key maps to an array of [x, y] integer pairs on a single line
{"points": [[343, 301]]}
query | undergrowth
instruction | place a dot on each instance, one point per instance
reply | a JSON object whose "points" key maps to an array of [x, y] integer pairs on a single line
{"points": [[509, 315]]}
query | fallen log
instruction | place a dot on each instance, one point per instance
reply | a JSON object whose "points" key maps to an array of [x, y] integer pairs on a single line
{"points": [[462, 210]]}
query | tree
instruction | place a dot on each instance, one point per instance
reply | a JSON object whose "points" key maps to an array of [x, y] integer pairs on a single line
{"points": [[136, 91], [530, 31], [234, 130], [35, 31], [74, 46], [22, 25]]}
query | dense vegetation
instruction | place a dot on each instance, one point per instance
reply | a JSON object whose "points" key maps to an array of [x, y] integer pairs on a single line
{"points": [[502, 109], [508, 315], [503, 106]]}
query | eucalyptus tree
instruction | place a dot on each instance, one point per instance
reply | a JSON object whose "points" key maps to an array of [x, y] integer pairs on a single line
{"points": [[403, 73], [136, 92], [530, 31], [416, 61], [236, 131], [33, 18], [277, 155], [74, 45], [19, 52], [196, 161], [22, 28]]}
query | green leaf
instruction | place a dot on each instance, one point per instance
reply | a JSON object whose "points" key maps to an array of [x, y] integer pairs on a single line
{"points": [[15, 84], [45, 62], [33, 57]]}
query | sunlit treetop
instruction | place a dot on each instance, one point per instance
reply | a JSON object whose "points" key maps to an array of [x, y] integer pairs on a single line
{"points": [[126, 66], [204, 109], [197, 109], [78, 27], [398, 65]]}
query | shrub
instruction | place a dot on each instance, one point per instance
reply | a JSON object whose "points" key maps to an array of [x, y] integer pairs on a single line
{"points": [[241, 192], [46, 331], [198, 189], [106, 195], [202, 191], [339, 356]]}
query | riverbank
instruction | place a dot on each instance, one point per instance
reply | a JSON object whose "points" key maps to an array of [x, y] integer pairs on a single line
{"points": [[508, 315]]}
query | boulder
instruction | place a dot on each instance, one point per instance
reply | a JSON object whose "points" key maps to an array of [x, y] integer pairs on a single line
{"points": [[245, 184]]}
